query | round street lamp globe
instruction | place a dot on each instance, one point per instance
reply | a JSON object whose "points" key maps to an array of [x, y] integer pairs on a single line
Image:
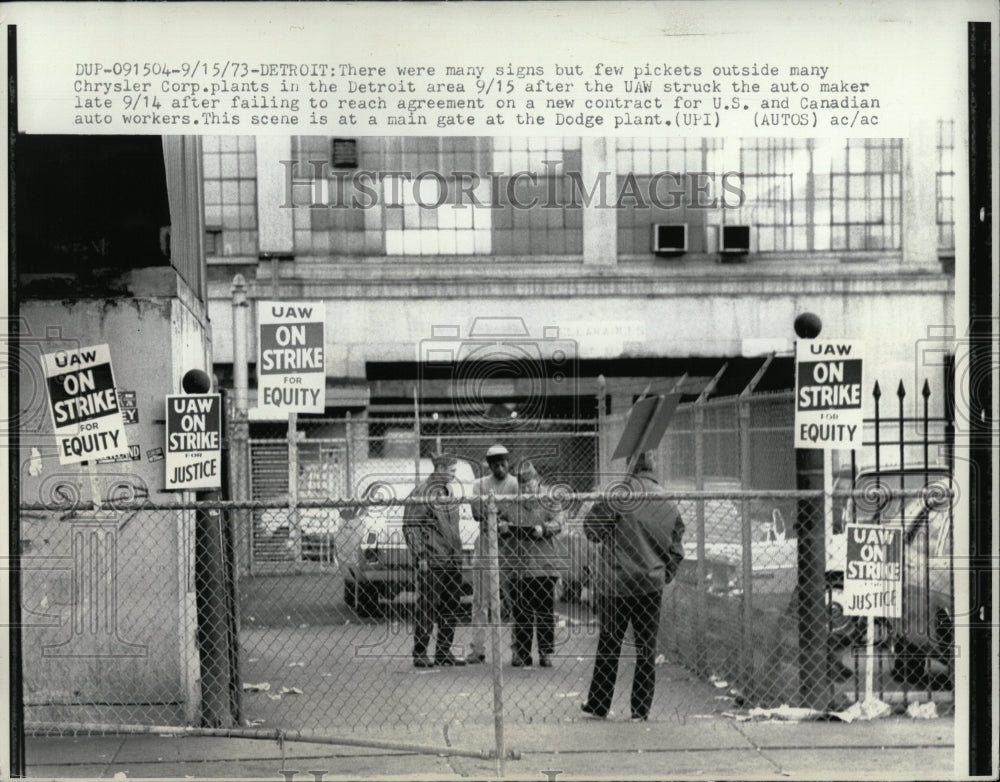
{"points": [[808, 325], [196, 381]]}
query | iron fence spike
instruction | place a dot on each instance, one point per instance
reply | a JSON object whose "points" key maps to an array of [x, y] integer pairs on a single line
{"points": [[900, 391], [877, 392], [927, 389]]}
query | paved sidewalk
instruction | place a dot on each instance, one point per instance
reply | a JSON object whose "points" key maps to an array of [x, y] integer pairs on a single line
{"points": [[712, 746]]}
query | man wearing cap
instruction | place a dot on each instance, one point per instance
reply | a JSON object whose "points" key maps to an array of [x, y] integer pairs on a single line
{"points": [[499, 481], [431, 530], [642, 549]]}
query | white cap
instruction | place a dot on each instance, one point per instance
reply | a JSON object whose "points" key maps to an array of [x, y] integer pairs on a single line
{"points": [[496, 450]]}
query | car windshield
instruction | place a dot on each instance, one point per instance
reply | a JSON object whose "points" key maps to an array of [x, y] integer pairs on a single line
{"points": [[879, 499]]}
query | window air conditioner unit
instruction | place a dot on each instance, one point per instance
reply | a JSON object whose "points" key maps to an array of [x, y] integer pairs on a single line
{"points": [[670, 238], [344, 153], [734, 241]]}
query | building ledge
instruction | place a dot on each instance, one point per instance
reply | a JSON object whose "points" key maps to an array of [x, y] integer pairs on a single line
{"points": [[479, 277], [153, 282]]}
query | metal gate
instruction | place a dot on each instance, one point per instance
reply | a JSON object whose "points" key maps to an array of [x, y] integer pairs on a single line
{"points": [[311, 469]]}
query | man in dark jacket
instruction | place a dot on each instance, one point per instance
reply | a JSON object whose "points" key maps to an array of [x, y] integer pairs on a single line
{"points": [[432, 534], [642, 550]]}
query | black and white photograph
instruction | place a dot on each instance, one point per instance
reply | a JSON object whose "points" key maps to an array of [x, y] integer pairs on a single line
{"points": [[500, 390]]}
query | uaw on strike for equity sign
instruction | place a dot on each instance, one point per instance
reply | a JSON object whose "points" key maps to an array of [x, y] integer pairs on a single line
{"points": [[83, 402], [828, 383], [291, 370]]}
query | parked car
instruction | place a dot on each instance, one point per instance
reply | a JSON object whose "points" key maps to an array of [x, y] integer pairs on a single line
{"points": [[308, 534], [380, 567], [924, 633]]}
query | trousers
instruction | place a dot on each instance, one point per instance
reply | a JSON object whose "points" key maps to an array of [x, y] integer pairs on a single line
{"points": [[439, 601], [642, 612], [532, 608]]}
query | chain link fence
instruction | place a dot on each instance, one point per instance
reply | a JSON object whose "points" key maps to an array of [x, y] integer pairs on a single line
{"points": [[319, 458], [293, 609], [301, 650]]}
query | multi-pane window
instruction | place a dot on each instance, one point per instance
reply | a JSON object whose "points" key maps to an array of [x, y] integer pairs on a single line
{"points": [[797, 194], [945, 184], [537, 216], [325, 219], [666, 180], [865, 194], [429, 192], [775, 181], [230, 180]]}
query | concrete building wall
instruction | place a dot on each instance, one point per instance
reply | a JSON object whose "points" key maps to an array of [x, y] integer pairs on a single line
{"points": [[614, 304], [110, 596]]}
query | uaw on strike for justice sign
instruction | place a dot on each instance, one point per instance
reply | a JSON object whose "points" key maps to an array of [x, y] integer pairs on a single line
{"points": [[194, 441], [828, 387], [83, 402], [291, 371], [873, 573]]}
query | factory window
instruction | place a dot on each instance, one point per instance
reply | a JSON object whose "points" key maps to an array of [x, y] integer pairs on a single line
{"points": [[865, 194], [428, 204], [775, 181], [230, 176], [797, 194], [945, 185], [533, 185], [324, 220], [665, 180]]}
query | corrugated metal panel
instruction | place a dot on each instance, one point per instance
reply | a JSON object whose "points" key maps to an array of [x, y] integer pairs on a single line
{"points": [[268, 470]]}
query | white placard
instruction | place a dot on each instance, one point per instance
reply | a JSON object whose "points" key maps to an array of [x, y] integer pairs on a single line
{"points": [[194, 441], [828, 393], [873, 582], [291, 370], [83, 403]]}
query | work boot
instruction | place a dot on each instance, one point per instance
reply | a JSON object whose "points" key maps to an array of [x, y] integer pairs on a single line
{"points": [[590, 713]]}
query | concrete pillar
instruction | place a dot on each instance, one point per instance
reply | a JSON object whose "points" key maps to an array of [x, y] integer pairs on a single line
{"points": [[920, 194], [600, 220], [274, 224]]}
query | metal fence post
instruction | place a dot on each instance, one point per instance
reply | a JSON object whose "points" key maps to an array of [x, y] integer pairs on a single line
{"points": [[214, 631], [901, 434], [925, 392], [294, 533], [602, 396], [493, 565], [700, 569], [810, 534], [747, 662], [870, 670], [348, 456], [416, 433], [239, 432]]}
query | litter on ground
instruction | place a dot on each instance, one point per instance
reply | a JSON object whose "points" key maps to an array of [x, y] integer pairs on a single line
{"points": [[872, 709], [922, 711]]}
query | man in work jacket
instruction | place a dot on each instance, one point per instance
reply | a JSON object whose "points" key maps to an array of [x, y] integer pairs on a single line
{"points": [[432, 534], [642, 541]]}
